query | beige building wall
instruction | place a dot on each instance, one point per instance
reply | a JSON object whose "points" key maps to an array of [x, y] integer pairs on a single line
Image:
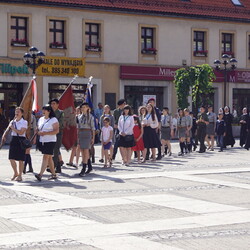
{"points": [[121, 43]]}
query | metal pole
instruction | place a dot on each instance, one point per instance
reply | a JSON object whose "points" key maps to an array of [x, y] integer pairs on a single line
{"points": [[225, 86]]}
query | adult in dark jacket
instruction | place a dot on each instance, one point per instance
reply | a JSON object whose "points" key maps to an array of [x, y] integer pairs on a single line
{"points": [[243, 126], [228, 118]]}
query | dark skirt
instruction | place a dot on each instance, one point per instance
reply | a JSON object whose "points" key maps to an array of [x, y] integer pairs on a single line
{"points": [[210, 129], [16, 152], [229, 139], [150, 138], [47, 148], [125, 144]]}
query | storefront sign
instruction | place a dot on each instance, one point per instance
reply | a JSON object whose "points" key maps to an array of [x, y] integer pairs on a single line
{"points": [[147, 73], [7, 68], [62, 66]]}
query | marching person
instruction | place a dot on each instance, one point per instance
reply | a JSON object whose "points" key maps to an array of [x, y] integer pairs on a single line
{"points": [[54, 103], [243, 126], [33, 125], [48, 128], [18, 128], [107, 136], [228, 118], [150, 138], [158, 115], [106, 113], [220, 129], [189, 123], [193, 131], [210, 128], [86, 135], [166, 130], [138, 135], [117, 113], [202, 121], [126, 136], [182, 128]]}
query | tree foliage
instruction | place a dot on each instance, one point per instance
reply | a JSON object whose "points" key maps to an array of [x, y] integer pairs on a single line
{"points": [[195, 81]]}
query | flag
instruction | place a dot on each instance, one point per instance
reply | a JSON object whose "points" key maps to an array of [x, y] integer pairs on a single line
{"points": [[66, 103], [26, 104], [88, 93]]}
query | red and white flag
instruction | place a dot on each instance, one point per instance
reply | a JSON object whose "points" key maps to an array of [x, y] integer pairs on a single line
{"points": [[66, 103], [35, 106]]}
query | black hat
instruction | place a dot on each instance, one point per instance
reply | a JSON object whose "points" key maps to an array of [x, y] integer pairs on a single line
{"points": [[120, 102]]}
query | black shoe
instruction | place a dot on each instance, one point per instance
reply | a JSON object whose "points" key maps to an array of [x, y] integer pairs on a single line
{"points": [[48, 170], [90, 168], [82, 173], [159, 157], [58, 170], [30, 170], [39, 177], [101, 160]]}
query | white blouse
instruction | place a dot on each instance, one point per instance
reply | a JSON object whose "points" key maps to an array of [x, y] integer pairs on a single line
{"points": [[19, 125], [46, 125], [149, 121], [126, 124]]}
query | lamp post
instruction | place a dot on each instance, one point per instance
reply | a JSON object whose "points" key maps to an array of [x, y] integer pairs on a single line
{"points": [[33, 59], [225, 62]]}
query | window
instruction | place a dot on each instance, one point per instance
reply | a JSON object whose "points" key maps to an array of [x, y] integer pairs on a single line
{"points": [[57, 34], [147, 41], [227, 44], [19, 31], [199, 45], [237, 2], [92, 37]]}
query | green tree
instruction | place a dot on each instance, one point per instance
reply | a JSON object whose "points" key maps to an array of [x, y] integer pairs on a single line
{"points": [[197, 79]]}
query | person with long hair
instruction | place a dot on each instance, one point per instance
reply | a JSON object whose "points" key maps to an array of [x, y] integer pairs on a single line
{"points": [[228, 118], [18, 128], [86, 135], [138, 134], [142, 112], [212, 118], [48, 128], [243, 126], [150, 124], [182, 128], [126, 137]]}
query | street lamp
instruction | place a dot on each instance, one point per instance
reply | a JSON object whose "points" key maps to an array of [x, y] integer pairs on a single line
{"points": [[225, 61], [33, 59]]}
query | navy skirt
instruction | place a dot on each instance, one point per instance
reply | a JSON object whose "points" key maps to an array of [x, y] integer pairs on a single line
{"points": [[150, 138]]}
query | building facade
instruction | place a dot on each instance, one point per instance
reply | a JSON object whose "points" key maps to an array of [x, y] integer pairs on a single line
{"points": [[131, 48]]}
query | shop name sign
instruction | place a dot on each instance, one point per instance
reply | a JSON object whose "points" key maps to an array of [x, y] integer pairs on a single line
{"points": [[62, 66], [7, 68], [147, 73]]}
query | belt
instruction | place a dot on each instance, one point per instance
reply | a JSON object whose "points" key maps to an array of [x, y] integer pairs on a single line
{"points": [[165, 126], [85, 129]]}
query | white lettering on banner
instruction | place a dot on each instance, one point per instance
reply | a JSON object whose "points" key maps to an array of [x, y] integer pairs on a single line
{"points": [[166, 72], [243, 76], [232, 79]]}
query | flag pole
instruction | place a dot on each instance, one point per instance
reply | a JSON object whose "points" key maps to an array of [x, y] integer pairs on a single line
{"points": [[72, 81]]}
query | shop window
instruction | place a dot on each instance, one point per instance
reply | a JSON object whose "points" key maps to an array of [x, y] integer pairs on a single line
{"points": [[92, 37], [199, 43], [19, 31], [148, 41], [57, 34], [241, 99], [110, 98], [227, 44]]}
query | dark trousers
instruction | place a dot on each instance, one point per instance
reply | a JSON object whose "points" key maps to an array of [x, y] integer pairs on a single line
{"points": [[201, 134], [220, 141], [116, 144], [57, 149]]}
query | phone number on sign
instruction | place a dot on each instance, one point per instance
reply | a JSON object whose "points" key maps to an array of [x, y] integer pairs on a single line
{"points": [[64, 70]]}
